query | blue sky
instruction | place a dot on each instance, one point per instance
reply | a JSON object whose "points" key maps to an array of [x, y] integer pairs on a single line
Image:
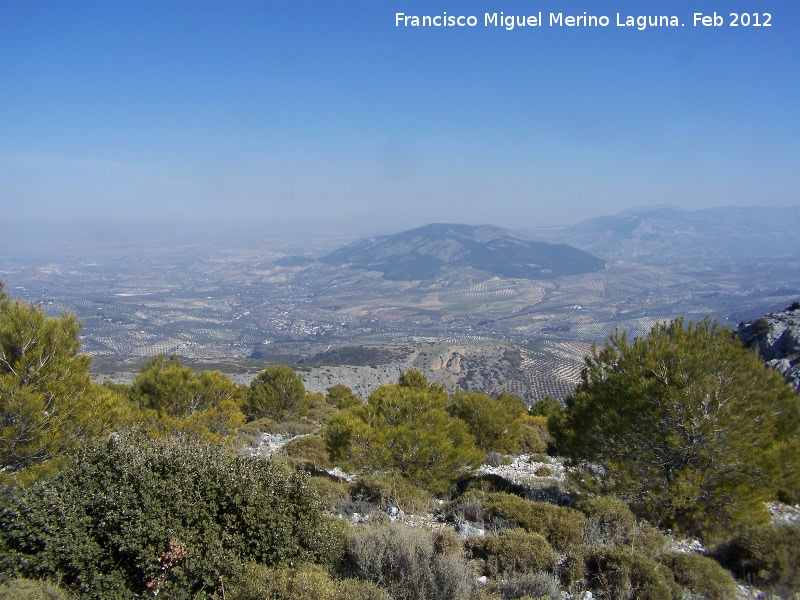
{"points": [[327, 114]]}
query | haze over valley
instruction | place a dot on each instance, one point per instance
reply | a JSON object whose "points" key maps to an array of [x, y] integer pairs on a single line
{"points": [[476, 307]]}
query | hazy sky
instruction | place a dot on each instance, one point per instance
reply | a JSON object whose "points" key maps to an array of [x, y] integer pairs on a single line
{"points": [[326, 112]]}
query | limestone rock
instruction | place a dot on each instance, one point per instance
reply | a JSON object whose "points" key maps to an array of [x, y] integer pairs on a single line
{"points": [[777, 338]]}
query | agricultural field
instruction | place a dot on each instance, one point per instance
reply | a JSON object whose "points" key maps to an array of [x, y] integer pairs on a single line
{"points": [[253, 303]]}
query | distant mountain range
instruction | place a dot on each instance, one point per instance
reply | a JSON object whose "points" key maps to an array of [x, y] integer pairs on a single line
{"points": [[666, 236], [427, 252]]}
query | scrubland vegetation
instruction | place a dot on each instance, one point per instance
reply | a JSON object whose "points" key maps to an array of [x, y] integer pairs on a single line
{"points": [[112, 491]]}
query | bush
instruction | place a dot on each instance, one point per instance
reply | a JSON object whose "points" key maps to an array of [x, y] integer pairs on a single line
{"points": [[534, 436], [446, 541], [561, 527], [303, 582], [356, 589], [539, 585], [139, 515], [700, 575], [573, 568], [469, 506], [259, 426], [512, 550], [389, 489], [332, 492], [621, 574], [309, 452], [27, 589], [493, 459], [342, 397], [403, 561], [484, 593], [609, 520], [546, 408], [174, 399], [768, 555], [648, 540], [319, 411], [294, 427]]}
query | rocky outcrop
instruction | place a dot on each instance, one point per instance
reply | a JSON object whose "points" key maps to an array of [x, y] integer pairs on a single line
{"points": [[777, 338]]}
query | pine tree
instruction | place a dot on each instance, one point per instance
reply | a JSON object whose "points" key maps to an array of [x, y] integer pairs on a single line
{"points": [[405, 428], [173, 398], [685, 425], [48, 403], [277, 392]]}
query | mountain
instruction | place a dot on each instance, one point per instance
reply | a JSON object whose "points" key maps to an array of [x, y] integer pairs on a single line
{"points": [[425, 253], [777, 338], [666, 236]]}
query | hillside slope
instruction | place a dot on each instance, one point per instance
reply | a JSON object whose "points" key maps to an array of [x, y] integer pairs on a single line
{"points": [[426, 252], [666, 236]]}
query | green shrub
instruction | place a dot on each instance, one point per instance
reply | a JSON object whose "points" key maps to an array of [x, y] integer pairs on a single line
{"points": [[547, 407], [305, 581], [446, 541], [293, 427], [469, 506], [309, 452], [302, 582], [342, 397], [356, 589], [512, 550], [768, 555], [259, 426], [648, 540], [610, 521], [538, 585], [318, 410], [621, 574], [700, 575], [27, 589], [390, 489], [561, 527], [484, 593], [533, 437], [403, 561], [573, 568], [176, 516], [332, 493]]}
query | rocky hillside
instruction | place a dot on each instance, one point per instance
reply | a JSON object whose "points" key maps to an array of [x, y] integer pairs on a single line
{"points": [[426, 253], [777, 337]]}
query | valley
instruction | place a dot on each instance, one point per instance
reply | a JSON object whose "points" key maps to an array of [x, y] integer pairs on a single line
{"points": [[243, 303]]}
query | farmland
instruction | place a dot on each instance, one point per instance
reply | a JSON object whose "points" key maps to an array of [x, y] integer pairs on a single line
{"points": [[241, 304]]}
